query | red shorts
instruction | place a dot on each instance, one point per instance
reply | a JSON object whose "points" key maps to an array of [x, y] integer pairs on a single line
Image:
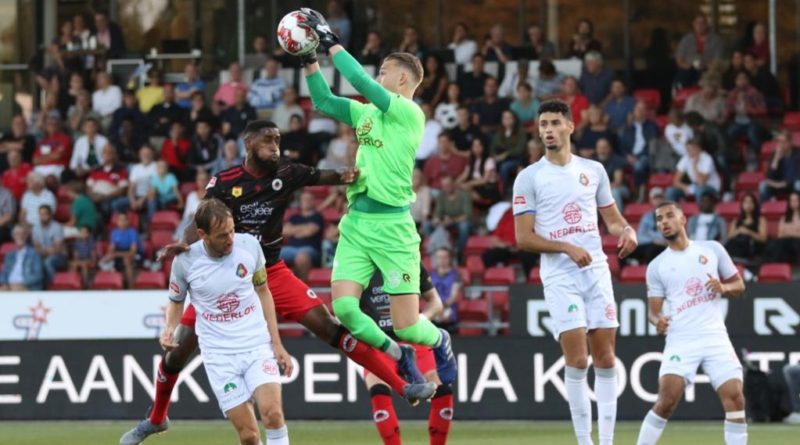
{"points": [[293, 298], [425, 360]]}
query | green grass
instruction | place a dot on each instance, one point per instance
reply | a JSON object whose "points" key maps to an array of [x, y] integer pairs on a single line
{"points": [[218, 432]]}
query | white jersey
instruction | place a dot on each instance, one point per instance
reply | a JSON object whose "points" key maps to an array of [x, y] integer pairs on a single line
{"points": [[680, 277], [230, 318], [565, 200]]}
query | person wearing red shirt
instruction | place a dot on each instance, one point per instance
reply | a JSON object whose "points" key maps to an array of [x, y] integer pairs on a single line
{"points": [[175, 149], [14, 178], [108, 184], [444, 163], [53, 152], [577, 102], [500, 220]]}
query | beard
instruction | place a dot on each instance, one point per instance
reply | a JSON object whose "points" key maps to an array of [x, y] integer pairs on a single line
{"points": [[552, 147], [671, 237]]}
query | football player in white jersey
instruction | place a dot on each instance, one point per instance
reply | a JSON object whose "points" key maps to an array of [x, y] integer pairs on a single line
{"points": [[685, 286], [556, 202], [236, 323]]}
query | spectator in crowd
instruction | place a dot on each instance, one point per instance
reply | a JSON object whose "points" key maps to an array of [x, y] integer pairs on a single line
{"points": [[490, 108], [495, 48], [65, 36], [745, 107], [22, 267], [453, 210], [48, 241], [765, 82], [236, 117], [78, 113], [74, 88], [445, 162], [128, 111], [595, 81], [696, 51], [472, 82], [176, 148], [447, 110], [635, 142], [14, 178], [124, 248], [260, 54], [514, 78], [714, 142], [786, 248], [206, 147], [421, 208], [462, 44], [651, 241], [503, 250], [298, 145], [53, 151], [537, 46], [480, 177], [596, 128], [339, 22], [17, 140], [87, 149], [106, 98], [109, 35], [526, 107], [191, 83], [140, 177], [618, 107], [758, 47], [200, 111], [678, 132], [304, 234], [152, 93], [83, 212], [782, 172], [508, 147], [266, 93], [578, 103], [162, 116], [192, 202], [707, 225], [427, 145], [615, 166], [535, 152], [447, 281], [373, 51], [735, 66], [708, 102], [164, 191], [128, 142], [695, 174], [548, 84], [336, 155], [108, 184], [36, 196], [583, 40], [226, 93], [84, 255], [8, 214], [230, 157], [411, 43], [747, 234], [434, 81], [465, 132], [286, 109]]}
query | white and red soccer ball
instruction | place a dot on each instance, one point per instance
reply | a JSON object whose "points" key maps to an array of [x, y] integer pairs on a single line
{"points": [[295, 36]]}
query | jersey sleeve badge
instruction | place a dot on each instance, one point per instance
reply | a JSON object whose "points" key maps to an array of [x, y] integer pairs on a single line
{"points": [[236, 192]]}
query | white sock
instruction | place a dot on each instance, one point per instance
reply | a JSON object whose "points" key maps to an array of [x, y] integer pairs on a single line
{"points": [[394, 350], [735, 433], [605, 390], [580, 406], [652, 427], [278, 436]]}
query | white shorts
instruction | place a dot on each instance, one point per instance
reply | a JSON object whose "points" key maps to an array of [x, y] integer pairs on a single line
{"points": [[716, 355], [581, 300], [235, 377]]}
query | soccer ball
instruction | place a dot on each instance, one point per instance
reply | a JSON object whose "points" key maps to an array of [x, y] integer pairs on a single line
{"points": [[295, 36]]}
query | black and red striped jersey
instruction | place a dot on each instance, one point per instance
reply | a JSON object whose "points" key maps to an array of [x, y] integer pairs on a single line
{"points": [[258, 203]]}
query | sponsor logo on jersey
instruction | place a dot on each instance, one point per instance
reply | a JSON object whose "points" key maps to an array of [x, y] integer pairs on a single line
{"points": [[572, 308], [311, 294], [269, 367], [519, 200], [241, 271], [406, 278], [362, 133], [349, 343], [236, 192], [228, 303], [212, 182], [572, 213], [174, 288], [703, 259], [675, 358], [229, 387], [277, 184], [611, 312], [393, 279], [583, 179], [255, 211], [364, 128]]}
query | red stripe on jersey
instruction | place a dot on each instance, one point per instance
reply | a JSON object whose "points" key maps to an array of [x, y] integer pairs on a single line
{"points": [[605, 207]]}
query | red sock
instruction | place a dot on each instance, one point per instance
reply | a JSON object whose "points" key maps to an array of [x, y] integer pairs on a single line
{"points": [[373, 360], [165, 382], [384, 416], [441, 415]]}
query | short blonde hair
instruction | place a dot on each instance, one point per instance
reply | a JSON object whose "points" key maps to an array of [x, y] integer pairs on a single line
{"points": [[411, 63]]}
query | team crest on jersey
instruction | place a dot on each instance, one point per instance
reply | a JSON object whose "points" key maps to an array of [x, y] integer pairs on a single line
{"points": [[572, 213], [703, 260], [228, 303], [611, 312], [277, 184], [583, 179], [236, 192], [693, 287], [364, 128], [393, 279], [269, 367], [241, 271], [212, 182]]}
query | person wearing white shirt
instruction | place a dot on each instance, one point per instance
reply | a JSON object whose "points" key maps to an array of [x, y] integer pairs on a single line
{"points": [[698, 168], [107, 98], [88, 148], [678, 132], [514, 79], [139, 178], [36, 196], [685, 286], [463, 47], [430, 136]]}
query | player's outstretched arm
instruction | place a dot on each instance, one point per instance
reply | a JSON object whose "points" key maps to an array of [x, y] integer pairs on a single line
{"points": [[359, 79], [530, 241], [342, 176], [323, 99]]}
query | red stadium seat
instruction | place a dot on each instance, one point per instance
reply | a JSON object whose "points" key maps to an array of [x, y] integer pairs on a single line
{"points": [[767, 149], [796, 139], [466, 276], [635, 211], [690, 209], [319, 191], [535, 277], [499, 301], [63, 194], [661, 121], [319, 277], [651, 97], [290, 212], [633, 274], [427, 263], [7, 248], [610, 244], [681, 96], [499, 276], [166, 266], [775, 273], [108, 281], [160, 238], [187, 187], [473, 310], [662, 180], [325, 297], [331, 215], [150, 280], [63, 212], [475, 265], [613, 265], [66, 281], [165, 220], [748, 181], [728, 210], [774, 210], [772, 228], [477, 244], [791, 121]]}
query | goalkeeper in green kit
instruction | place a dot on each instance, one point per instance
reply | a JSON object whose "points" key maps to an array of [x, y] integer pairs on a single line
{"points": [[378, 231]]}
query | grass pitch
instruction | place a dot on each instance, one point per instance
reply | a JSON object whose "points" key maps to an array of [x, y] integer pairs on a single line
{"points": [[217, 432]]}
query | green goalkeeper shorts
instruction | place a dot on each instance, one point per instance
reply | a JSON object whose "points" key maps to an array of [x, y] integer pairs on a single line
{"points": [[386, 241]]}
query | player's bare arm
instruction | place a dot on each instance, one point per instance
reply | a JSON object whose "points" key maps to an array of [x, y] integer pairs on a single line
{"points": [[731, 287], [268, 306], [433, 304], [173, 317], [529, 240], [617, 226], [654, 315], [342, 176]]}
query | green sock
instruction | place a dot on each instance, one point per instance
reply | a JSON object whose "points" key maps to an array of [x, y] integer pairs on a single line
{"points": [[423, 332], [361, 326]]}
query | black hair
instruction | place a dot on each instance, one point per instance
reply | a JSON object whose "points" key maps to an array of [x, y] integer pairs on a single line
{"points": [[756, 210], [789, 212], [256, 127], [555, 106]]}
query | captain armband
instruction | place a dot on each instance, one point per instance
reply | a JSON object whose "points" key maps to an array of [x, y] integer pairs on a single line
{"points": [[260, 277]]}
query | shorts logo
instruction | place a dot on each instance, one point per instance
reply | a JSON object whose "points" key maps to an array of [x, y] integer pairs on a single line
{"points": [[572, 308], [229, 387], [211, 183], [228, 303], [174, 288], [277, 184], [393, 279], [693, 287], [236, 192], [583, 179], [611, 312], [311, 294], [269, 367], [446, 413], [406, 278], [380, 415], [572, 213], [241, 271], [349, 343], [520, 200], [675, 358], [703, 260]]}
